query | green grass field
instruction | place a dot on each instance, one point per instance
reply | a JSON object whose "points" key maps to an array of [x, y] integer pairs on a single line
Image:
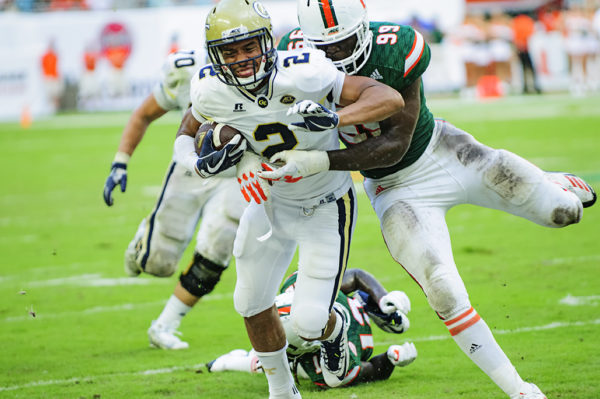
{"points": [[62, 250]]}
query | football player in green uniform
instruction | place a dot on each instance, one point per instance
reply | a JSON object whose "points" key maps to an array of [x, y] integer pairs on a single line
{"points": [[416, 168], [362, 298]]}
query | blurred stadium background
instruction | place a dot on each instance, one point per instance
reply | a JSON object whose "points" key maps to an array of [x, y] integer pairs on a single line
{"points": [[104, 55]]}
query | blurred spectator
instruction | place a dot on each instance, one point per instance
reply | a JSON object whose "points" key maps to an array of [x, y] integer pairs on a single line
{"points": [[52, 80], [62, 5], [582, 47], [25, 5], [428, 29], [89, 86], [99, 4], [174, 43], [550, 17], [500, 36], [474, 48], [523, 27]]}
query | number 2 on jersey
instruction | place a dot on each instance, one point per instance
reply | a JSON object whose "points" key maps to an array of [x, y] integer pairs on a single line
{"points": [[265, 132]]}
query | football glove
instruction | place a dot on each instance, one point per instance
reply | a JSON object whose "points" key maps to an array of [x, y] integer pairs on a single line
{"points": [[212, 162], [118, 176], [394, 300], [252, 187], [316, 117], [298, 164], [402, 355], [395, 323]]}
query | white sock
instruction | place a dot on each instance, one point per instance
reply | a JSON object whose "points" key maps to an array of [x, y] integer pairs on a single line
{"points": [[173, 311], [475, 339], [276, 368]]}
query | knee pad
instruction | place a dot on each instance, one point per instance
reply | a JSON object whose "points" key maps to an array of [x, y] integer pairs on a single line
{"points": [[201, 276], [215, 238], [156, 253], [309, 320], [162, 264], [513, 178], [446, 294]]}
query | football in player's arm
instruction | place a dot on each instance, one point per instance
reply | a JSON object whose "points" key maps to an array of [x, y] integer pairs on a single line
{"points": [[363, 299], [280, 101]]}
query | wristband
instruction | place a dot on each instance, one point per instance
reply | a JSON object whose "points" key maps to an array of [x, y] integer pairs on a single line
{"points": [[121, 157]]}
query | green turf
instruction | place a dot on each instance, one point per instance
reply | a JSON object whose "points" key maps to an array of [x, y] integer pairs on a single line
{"points": [[62, 254]]}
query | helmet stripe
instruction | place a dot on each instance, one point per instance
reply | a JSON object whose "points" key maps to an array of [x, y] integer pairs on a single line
{"points": [[328, 13]]}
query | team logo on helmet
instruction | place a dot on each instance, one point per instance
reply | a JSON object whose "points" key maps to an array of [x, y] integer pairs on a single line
{"points": [[260, 9], [333, 31], [238, 30]]}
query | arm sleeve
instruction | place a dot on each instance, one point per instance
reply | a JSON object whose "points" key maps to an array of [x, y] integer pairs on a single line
{"points": [[184, 152]]}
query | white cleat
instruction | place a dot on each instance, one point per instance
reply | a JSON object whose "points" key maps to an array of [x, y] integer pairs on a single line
{"points": [[165, 336], [576, 185], [335, 356], [529, 391]]}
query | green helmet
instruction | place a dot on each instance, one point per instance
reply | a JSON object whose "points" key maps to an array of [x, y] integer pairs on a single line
{"points": [[232, 21]]}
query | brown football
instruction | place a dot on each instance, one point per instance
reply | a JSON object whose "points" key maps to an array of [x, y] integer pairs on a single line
{"points": [[222, 134]]}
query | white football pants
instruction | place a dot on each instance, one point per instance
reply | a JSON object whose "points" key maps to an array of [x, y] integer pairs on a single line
{"points": [[322, 235], [456, 169], [163, 235]]}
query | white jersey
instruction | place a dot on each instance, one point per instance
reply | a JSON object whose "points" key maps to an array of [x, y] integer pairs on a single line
{"points": [[173, 89], [299, 75]]}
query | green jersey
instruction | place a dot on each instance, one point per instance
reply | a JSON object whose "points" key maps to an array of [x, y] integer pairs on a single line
{"points": [[360, 339], [399, 56]]}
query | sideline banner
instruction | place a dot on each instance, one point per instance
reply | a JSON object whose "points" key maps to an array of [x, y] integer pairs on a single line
{"points": [[109, 60]]}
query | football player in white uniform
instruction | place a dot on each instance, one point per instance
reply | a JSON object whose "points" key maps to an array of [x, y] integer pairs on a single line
{"points": [[417, 168], [250, 87], [184, 199]]}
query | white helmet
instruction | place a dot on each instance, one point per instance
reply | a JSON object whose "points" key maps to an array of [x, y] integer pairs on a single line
{"points": [[296, 345], [325, 22]]}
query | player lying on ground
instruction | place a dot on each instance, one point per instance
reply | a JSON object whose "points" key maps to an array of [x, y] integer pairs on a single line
{"points": [[362, 298]]}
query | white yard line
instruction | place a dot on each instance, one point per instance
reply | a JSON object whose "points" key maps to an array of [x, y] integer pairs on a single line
{"points": [[570, 259], [572, 300], [550, 326]]}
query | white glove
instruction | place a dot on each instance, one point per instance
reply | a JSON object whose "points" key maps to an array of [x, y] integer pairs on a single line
{"points": [[394, 300], [298, 164], [402, 355], [251, 186]]}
